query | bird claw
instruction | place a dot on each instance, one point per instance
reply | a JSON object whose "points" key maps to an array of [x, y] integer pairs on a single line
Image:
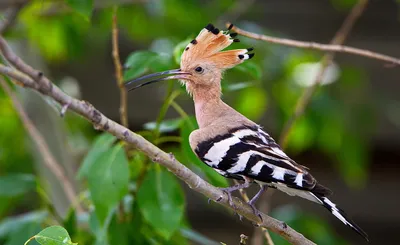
{"points": [[256, 212], [229, 194], [240, 217]]}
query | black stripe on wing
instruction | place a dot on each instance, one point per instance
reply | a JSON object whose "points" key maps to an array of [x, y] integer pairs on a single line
{"points": [[266, 156]]}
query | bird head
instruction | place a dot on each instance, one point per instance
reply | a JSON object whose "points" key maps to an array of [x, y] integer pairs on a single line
{"points": [[202, 61]]}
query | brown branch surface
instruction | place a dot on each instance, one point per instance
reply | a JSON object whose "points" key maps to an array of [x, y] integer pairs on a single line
{"points": [[318, 46], [43, 148], [35, 80], [123, 109], [327, 59]]}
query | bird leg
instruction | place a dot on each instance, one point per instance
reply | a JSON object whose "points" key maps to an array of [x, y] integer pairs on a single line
{"points": [[230, 189], [255, 198]]}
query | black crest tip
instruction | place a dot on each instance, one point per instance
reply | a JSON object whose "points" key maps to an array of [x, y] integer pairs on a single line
{"points": [[236, 40], [233, 34], [250, 49], [210, 27], [194, 42], [251, 56], [230, 26], [215, 31]]}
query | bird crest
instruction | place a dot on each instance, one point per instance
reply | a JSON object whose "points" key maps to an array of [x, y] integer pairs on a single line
{"points": [[208, 46], [202, 61]]}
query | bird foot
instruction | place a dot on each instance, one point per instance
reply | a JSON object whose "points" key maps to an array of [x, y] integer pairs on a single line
{"points": [[256, 212], [228, 191]]}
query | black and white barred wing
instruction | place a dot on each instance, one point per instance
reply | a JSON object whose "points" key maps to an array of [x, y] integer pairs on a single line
{"points": [[249, 151]]}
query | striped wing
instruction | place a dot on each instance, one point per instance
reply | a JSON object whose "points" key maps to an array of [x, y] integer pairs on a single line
{"points": [[249, 151]]}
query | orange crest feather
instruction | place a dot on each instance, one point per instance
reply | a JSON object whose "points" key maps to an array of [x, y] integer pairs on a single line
{"points": [[208, 45]]}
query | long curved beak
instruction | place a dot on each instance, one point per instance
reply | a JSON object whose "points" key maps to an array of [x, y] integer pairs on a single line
{"points": [[156, 77]]}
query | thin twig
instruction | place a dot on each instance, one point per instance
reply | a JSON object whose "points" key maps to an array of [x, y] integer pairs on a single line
{"points": [[43, 148], [123, 106], [123, 109], [318, 46], [9, 17], [35, 80], [305, 98]]}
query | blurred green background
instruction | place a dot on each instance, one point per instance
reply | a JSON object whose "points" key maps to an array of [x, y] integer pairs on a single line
{"points": [[349, 135]]}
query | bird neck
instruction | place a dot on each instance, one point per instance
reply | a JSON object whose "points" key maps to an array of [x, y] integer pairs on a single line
{"points": [[208, 104]]}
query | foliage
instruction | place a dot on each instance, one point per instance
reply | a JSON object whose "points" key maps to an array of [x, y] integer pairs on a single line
{"points": [[131, 200]]}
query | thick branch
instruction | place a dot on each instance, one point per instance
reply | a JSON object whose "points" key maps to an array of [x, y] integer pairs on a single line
{"points": [[305, 98], [37, 81]]}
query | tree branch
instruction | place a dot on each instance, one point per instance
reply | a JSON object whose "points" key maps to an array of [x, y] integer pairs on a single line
{"points": [[317, 46], [305, 98], [118, 71], [123, 103], [43, 148], [35, 80]]}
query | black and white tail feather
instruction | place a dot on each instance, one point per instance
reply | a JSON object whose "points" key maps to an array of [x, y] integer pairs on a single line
{"points": [[248, 151], [340, 214]]}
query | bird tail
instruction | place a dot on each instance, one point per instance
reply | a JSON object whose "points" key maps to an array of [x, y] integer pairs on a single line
{"points": [[339, 213]]}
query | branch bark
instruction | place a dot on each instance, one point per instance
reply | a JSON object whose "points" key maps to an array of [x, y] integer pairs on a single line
{"points": [[318, 46], [31, 78], [123, 109]]}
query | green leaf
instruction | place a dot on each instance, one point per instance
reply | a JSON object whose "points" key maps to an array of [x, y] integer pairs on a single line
{"points": [[120, 232], [53, 235], [197, 237], [108, 181], [162, 62], [12, 224], [101, 144], [70, 223], [19, 236], [13, 185], [166, 126], [100, 230], [178, 50], [83, 7], [138, 63], [250, 68], [212, 176], [161, 201]]}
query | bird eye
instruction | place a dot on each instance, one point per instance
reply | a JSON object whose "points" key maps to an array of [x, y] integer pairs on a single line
{"points": [[199, 69]]}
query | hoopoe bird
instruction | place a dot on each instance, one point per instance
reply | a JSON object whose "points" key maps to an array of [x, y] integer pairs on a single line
{"points": [[227, 141]]}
